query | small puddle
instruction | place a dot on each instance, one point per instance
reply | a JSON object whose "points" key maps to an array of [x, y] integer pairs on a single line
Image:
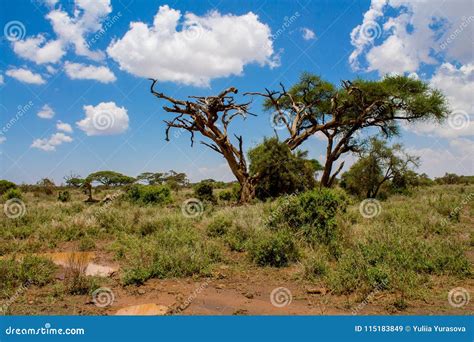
{"points": [[82, 260]]}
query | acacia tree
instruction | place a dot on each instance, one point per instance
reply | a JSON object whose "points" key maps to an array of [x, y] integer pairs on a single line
{"points": [[379, 164], [210, 116], [341, 114], [110, 178]]}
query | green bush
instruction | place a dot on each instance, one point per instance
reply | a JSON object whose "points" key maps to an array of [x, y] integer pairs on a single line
{"points": [[275, 249], [31, 270], [237, 238], [398, 263], [219, 226], [166, 254], [226, 196], [5, 186], [149, 194], [64, 196], [311, 213], [12, 193], [204, 191]]}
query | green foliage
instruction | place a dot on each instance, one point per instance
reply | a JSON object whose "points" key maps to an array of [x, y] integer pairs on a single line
{"points": [[312, 214], [315, 266], [149, 194], [110, 178], [86, 244], [5, 186], [219, 226], [31, 270], [380, 165], [12, 193], [397, 262], [166, 254], [226, 195], [275, 249], [47, 186], [64, 196], [204, 191], [280, 170]]}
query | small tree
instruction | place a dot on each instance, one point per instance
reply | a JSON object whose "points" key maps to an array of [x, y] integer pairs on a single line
{"points": [[378, 164], [110, 178], [5, 186], [204, 191], [280, 170], [47, 185], [152, 178]]}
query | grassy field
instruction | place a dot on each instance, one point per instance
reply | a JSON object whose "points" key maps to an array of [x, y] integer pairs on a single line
{"points": [[403, 255]]}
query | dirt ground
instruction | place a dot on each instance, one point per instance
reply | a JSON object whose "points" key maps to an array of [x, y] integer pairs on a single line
{"points": [[233, 290]]}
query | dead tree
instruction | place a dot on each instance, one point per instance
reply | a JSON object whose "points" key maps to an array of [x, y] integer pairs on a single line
{"points": [[211, 116]]}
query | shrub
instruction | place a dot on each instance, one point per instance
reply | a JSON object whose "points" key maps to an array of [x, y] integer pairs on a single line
{"points": [[166, 254], [64, 196], [149, 194], [315, 266], [237, 238], [204, 191], [30, 270], [275, 249], [12, 193], [86, 244], [226, 195], [219, 226], [5, 186], [280, 170], [312, 213]]}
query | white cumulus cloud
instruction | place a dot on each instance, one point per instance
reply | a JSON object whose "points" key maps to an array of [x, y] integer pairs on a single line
{"points": [[104, 119], [62, 126], [50, 144], [308, 34], [46, 112], [401, 35], [77, 71], [26, 76], [203, 48], [36, 49], [71, 31]]}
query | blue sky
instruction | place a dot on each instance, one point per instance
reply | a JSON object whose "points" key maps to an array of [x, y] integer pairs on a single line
{"points": [[64, 64]]}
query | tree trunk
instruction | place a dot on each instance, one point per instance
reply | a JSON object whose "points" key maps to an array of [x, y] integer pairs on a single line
{"points": [[326, 177], [247, 191]]}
